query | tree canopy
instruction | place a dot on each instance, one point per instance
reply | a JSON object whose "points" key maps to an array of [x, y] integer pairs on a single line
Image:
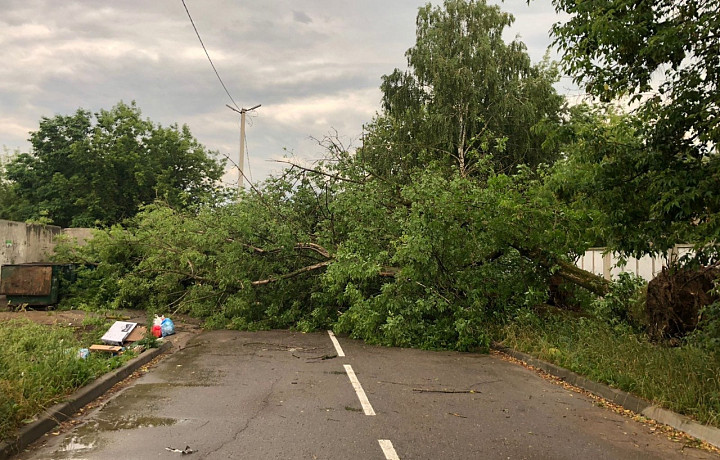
{"points": [[665, 56], [466, 94], [98, 169]]}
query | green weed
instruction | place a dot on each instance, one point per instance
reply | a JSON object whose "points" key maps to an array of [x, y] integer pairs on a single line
{"points": [[39, 366], [685, 379]]}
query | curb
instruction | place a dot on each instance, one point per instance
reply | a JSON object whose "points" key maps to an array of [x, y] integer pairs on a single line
{"points": [[706, 433], [76, 401]]}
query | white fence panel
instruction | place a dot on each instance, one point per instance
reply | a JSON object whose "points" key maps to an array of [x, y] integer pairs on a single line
{"points": [[608, 265]]}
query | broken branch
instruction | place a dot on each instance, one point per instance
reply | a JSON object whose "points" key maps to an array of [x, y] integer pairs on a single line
{"points": [[309, 268], [317, 171]]}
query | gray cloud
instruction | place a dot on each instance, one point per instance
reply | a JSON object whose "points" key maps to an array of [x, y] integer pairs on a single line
{"points": [[301, 17], [312, 70]]}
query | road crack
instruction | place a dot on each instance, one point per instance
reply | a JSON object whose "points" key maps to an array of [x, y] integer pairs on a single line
{"points": [[263, 405]]}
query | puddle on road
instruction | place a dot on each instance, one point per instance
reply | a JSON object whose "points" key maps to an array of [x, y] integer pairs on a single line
{"points": [[76, 446], [127, 423], [88, 437]]}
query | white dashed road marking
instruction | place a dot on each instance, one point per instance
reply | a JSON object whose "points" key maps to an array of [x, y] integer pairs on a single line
{"points": [[367, 408], [388, 449], [385, 444], [335, 342]]}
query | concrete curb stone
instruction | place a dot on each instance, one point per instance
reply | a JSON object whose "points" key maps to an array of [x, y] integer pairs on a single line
{"points": [[706, 433], [64, 410]]}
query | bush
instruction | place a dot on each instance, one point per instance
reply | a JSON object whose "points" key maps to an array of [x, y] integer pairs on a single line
{"points": [[624, 303], [707, 334], [39, 366]]}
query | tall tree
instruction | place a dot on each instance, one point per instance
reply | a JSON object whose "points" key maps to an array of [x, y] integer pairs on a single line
{"points": [[9, 201], [88, 170], [665, 56], [466, 94]]}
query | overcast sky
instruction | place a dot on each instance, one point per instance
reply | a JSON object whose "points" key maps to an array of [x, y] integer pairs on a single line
{"points": [[314, 65]]}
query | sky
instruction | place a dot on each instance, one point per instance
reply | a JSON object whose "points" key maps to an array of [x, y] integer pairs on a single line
{"points": [[314, 65]]}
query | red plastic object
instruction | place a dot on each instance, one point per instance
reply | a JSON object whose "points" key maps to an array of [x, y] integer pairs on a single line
{"points": [[157, 331]]}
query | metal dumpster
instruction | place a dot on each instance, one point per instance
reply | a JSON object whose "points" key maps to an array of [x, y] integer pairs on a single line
{"points": [[33, 284]]}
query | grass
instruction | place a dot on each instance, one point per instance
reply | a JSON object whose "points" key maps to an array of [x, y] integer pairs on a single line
{"points": [[685, 379], [39, 366]]}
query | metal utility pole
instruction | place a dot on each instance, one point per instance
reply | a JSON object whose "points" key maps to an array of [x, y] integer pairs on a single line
{"points": [[241, 162]]}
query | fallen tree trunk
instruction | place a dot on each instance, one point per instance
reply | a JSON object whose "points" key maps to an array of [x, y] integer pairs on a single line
{"points": [[583, 278], [568, 271]]}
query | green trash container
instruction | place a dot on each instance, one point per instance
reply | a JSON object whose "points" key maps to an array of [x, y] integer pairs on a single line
{"points": [[34, 284]]}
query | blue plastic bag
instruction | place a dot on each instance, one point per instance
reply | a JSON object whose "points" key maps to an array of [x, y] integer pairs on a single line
{"points": [[167, 327]]}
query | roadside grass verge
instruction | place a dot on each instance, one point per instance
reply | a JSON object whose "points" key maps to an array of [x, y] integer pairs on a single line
{"points": [[39, 367], [684, 379]]}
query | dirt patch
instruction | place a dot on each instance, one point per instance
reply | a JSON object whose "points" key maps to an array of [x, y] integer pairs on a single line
{"points": [[674, 300], [73, 318], [185, 326]]}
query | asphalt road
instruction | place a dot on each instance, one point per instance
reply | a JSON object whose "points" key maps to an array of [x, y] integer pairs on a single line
{"points": [[285, 395]]}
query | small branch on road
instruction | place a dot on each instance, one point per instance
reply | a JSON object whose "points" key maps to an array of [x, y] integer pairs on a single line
{"points": [[397, 383], [322, 358], [278, 346], [426, 390]]}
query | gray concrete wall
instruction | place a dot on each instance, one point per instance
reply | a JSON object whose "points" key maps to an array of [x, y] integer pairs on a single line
{"points": [[79, 235], [26, 243], [22, 243]]}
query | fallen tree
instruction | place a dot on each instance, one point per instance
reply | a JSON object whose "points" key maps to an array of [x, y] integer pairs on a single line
{"points": [[428, 263], [441, 223]]}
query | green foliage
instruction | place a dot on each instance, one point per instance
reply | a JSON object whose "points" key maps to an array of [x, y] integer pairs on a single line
{"points": [[205, 262], [427, 264], [610, 170], [616, 49], [39, 366], [467, 95], [596, 175], [9, 200], [683, 379], [455, 249], [89, 170], [624, 303], [707, 334]]}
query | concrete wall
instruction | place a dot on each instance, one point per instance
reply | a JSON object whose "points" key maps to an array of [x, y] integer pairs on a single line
{"points": [[80, 235], [26, 243]]}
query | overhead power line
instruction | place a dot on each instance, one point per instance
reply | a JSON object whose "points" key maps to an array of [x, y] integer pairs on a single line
{"points": [[208, 55]]}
